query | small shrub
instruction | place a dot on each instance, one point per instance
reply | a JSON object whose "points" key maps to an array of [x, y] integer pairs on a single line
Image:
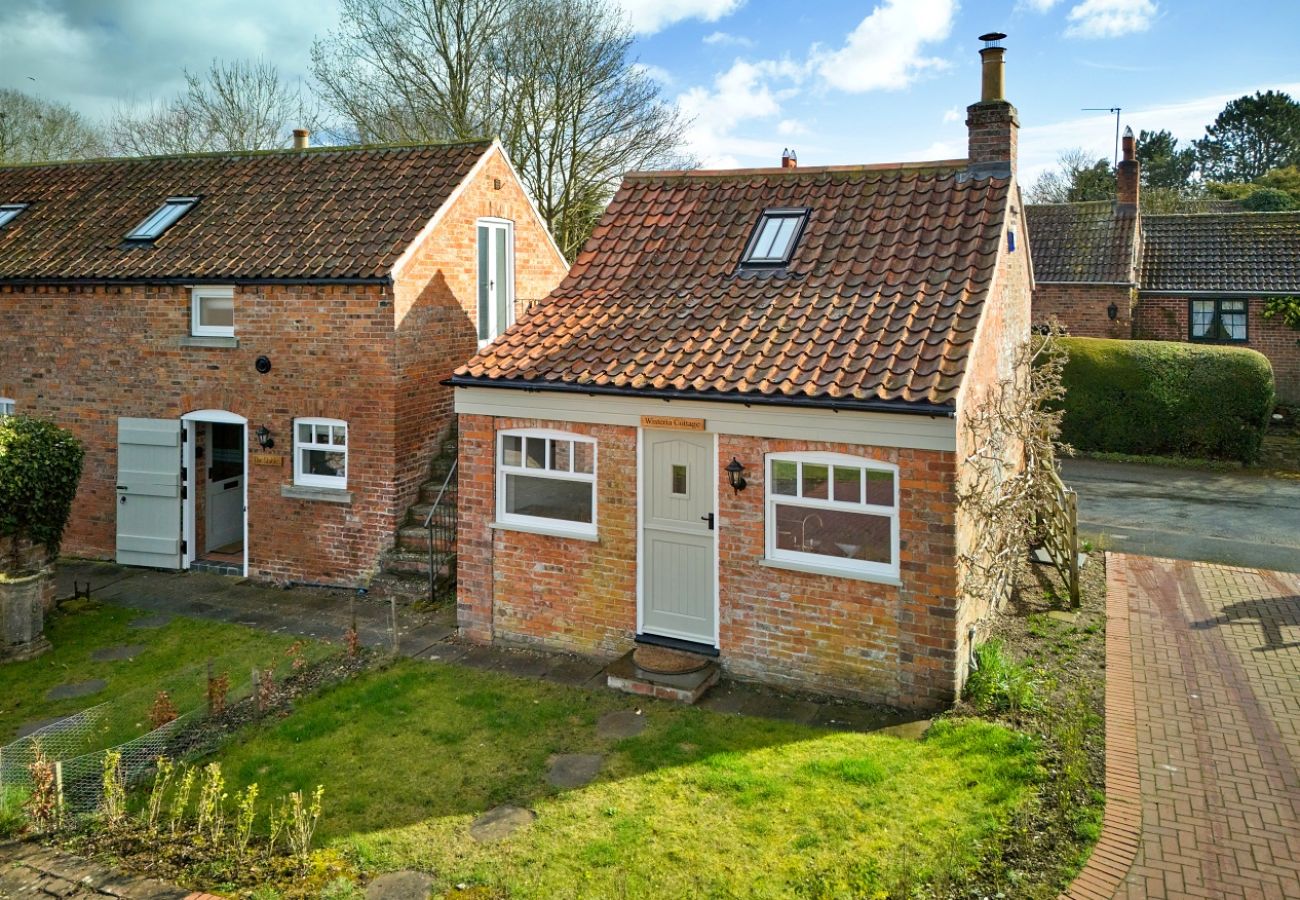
{"points": [[181, 801], [44, 806], [999, 684], [218, 694], [1165, 398], [245, 816], [211, 812], [164, 711], [112, 805], [164, 773], [353, 639], [299, 818], [296, 659], [40, 466]]}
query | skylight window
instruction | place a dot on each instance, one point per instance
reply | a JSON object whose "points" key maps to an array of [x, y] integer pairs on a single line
{"points": [[773, 241], [10, 211], [162, 218]]}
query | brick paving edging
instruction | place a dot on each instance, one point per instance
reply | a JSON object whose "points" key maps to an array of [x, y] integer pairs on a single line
{"points": [[1121, 829]]}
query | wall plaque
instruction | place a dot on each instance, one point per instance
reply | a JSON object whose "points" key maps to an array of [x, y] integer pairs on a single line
{"points": [[266, 459], [672, 423]]}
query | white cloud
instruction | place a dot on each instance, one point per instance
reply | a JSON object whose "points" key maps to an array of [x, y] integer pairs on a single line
{"points": [[725, 39], [1041, 6], [650, 16], [1110, 18], [791, 128], [746, 92], [952, 115], [885, 51], [655, 73]]}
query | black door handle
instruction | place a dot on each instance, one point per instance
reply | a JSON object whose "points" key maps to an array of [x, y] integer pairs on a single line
{"points": [[709, 519]]}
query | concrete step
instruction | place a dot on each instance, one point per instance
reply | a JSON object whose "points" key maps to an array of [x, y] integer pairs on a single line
{"points": [[430, 489], [407, 562], [416, 537]]}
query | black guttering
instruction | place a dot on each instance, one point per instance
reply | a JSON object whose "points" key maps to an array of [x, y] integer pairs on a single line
{"points": [[932, 410], [185, 280]]}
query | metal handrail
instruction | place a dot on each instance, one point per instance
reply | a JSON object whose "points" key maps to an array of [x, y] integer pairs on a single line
{"points": [[428, 525]]}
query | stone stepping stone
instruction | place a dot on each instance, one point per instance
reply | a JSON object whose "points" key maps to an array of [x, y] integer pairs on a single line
{"points": [[35, 725], [574, 770], [406, 885], [499, 823], [76, 689], [154, 621], [624, 723], [120, 653]]}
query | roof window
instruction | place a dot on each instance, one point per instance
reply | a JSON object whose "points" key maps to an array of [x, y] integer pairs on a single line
{"points": [[162, 218], [10, 211], [773, 240]]}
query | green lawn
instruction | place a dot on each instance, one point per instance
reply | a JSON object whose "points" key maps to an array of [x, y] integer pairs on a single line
{"points": [[698, 805], [173, 659]]}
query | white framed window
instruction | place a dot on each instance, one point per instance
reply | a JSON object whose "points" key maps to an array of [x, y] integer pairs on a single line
{"points": [[9, 212], [320, 453], [547, 479], [496, 278], [162, 218], [833, 511], [212, 311], [7, 407]]}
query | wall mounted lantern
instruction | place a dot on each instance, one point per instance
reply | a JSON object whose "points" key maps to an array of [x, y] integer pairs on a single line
{"points": [[264, 439], [1112, 311], [736, 475]]}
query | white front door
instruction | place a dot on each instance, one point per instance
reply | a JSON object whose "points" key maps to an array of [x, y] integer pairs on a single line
{"points": [[149, 492], [677, 537], [224, 501]]}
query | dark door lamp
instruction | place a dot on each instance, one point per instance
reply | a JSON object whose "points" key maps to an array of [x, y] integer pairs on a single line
{"points": [[736, 475], [1112, 311], [264, 439]]}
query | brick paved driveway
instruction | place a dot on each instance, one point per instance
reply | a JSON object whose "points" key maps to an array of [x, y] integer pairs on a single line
{"points": [[1215, 667]]}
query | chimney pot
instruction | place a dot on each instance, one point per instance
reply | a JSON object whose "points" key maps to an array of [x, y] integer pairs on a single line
{"points": [[1128, 176], [789, 159], [992, 123], [301, 138]]}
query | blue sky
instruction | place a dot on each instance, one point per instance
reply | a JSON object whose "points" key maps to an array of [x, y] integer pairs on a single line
{"points": [[841, 82]]}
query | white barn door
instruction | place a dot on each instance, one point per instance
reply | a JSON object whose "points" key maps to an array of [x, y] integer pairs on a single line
{"points": [[149, 492]]}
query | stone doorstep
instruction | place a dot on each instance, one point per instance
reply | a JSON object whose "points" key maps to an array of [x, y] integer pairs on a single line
{"points": [[623, 674]]}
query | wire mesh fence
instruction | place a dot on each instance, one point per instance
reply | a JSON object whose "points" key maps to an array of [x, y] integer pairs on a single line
{"points": [[75, 746]]}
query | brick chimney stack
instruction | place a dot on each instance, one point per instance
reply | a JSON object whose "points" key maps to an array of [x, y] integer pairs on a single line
{"points": [[301, 138], [1127, 180], [992, 123], [789, 159]]}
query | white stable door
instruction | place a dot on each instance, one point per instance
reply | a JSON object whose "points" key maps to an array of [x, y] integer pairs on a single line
{"points": [[677, 537], [149, 492]]}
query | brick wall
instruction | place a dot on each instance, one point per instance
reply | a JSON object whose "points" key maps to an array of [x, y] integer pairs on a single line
{"points": [[1081, 308], [89, 355], [828, 634], [436, 308], [1166, 319], [1003, 329]]}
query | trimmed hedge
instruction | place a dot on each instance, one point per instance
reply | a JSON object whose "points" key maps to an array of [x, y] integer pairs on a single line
{"points": [[40, 465], [1164, 398]]}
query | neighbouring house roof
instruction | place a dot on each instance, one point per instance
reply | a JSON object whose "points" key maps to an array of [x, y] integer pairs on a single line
{"points": [[1230, 252], [1082, 243], [878, 304], [318, 214]]}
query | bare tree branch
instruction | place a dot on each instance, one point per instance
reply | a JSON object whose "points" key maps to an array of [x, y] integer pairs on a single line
{"points": [[36, 130]]}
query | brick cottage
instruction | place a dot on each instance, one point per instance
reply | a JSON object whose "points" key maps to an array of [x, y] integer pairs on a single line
{"points": [[735, 428], [251, 345], [1105, 269]]}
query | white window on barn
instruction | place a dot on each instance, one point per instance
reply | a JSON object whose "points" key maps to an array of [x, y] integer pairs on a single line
{"points": [[9, 212], [320, 453], [833, 511], [496, 277], [212, 311], [7, 407], [547, 480]]}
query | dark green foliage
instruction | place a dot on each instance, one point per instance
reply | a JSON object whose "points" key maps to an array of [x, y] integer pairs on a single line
{"points": [[1166, 399], [1164, 163], [40, 465], [1094, 182], [1251, 136], [1285, 308], [1268, 200]]}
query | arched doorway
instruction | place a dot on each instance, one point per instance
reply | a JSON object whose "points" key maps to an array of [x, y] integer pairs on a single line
{"points": [[215, 476]]}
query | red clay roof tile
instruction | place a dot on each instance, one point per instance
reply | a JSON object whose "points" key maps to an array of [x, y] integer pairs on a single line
{"points": [[879, 302]]}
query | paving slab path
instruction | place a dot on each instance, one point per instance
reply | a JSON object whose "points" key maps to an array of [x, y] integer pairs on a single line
{"points": [[1203, 733]]}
